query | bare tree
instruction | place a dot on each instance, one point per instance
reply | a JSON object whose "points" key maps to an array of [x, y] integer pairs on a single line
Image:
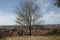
{"points": [[28, 14]]}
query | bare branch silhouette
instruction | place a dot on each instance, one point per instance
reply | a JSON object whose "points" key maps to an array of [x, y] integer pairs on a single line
{"points": [[29, 14]]}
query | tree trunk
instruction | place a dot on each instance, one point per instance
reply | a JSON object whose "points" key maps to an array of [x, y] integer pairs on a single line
{"points": [[30, 30]]}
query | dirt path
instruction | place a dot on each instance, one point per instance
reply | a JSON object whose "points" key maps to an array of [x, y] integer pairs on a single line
{"points": [[28, 38]]}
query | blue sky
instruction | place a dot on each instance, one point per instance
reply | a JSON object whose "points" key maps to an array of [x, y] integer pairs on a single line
{"points": [[50, 11]]}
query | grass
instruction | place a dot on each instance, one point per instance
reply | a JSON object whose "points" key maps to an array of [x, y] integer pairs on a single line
{"points": [[54, 37], [32, 38], [35, 38], [2, 38]]}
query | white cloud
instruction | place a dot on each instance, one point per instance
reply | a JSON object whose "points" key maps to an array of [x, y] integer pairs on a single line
{"points": [[47, 4], [3, 20], [52, 18], [54, 14], [44, 4], [50, 15], [6, 19]]}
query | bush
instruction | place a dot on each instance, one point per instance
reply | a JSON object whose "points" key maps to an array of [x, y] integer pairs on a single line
{"points": [[53, 31]]}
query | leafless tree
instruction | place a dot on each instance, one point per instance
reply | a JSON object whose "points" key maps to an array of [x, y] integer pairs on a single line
{"points": [[28, 14]]}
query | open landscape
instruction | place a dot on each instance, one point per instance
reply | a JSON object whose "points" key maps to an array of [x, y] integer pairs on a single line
{"points": [[32, 38], [42, 32], [29, 19]]}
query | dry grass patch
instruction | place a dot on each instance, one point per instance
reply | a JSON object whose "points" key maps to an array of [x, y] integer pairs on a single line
{"points": [[29, 38], [35, 38]]}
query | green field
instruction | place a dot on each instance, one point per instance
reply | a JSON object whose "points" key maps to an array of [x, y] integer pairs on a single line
{"points": [[2, 38], [54, 37]]}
